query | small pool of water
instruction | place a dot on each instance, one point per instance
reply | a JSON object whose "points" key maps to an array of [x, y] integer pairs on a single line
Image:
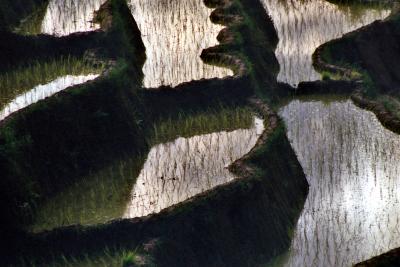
{"points": [[175, 33], [352, 164], [304, 25]]}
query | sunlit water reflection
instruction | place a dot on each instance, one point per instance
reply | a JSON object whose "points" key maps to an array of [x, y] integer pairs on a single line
{"points": [[42, 91], [176, 171], [64, 17], [304, 25], [352, 164], [175, 33]]}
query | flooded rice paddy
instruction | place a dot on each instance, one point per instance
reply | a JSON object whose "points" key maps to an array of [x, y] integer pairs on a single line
{"points": [[302, 26], [352, 164], [171, 173], [174, 34], [176, 171], [350, 160]]}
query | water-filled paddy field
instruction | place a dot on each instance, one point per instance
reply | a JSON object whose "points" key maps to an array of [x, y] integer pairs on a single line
{"points": [[197, 155]]}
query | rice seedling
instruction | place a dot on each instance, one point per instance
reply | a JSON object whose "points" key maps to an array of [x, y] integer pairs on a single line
{"points": [[210, 120], [20, 80], [108, 257], [97, 198], [391, 103], [31, 25], [104, 195]]}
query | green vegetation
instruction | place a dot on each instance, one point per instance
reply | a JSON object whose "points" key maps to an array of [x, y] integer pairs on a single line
{"points": [[254, 44], [207, 121], [20, 80], [278, 261], [53, 151], [106, 258], [103, 196], [13, 11], [357, 7], [379, 77], [32, 24], [56, 142], [391, 103], [97, 198]]}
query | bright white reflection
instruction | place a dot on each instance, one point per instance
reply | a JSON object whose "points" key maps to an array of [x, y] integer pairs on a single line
{"points": [[352, 164], [175, 33], [304, 25], [176, 171], [42, 91], [64, 17]]}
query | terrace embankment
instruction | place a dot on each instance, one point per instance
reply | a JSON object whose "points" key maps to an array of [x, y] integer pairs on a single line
{"points": [[13, 11], [46, 146], [246, 46], [389, 259], [243, 223], [371, 55], [250, 37], [371, 52]]}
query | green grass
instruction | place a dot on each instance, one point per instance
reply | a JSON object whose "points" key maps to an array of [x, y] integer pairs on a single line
{"points": [[391, 103], [97, 198], [20, 80], [278, 261], [105, 258], [103, 196], [207, 121], [13, 11], [32, 24]]}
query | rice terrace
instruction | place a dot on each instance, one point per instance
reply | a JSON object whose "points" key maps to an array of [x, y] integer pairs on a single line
{"points": [[260, 133]]}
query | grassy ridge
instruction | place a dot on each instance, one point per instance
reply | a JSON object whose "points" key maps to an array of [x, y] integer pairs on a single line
{"points": [[32, 24], [50, 144], [206, 121], [372, 53], [13, 11], [105, 258], [103, 195], [20, 80], [56, 142], [241, 224]]}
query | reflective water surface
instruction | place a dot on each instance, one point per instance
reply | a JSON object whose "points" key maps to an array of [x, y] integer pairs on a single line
{"points": [[42, 91], [170, 173], [352, 164], [175, 33], [64, 17], [176, 171], [304, 25]]}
